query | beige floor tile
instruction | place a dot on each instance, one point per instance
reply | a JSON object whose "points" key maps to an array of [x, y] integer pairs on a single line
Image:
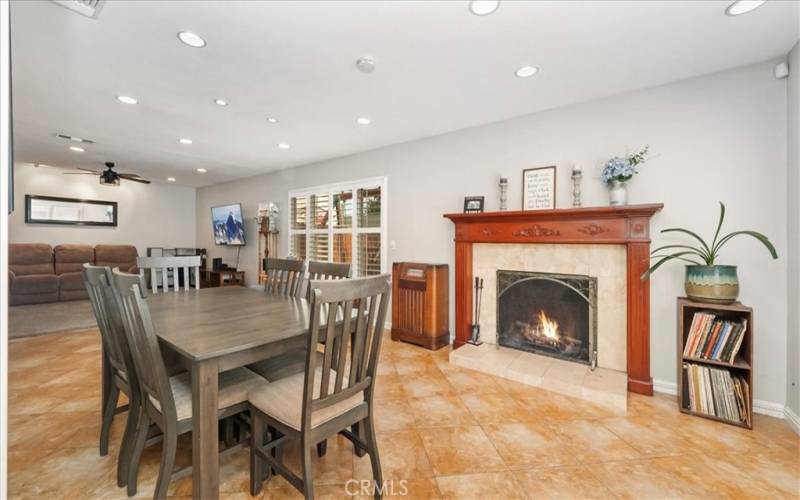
{"points": [[440, 411], [659, 478], [466, 381], [426, 383], [526, 445], [496, 408], [565, 483], [650, 437], [402, 456], [589, 441], [487, 486], [388, 386], [393, 415], [460, 450]]}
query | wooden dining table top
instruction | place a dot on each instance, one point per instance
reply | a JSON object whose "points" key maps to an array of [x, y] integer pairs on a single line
{"points": [[216, 322]]}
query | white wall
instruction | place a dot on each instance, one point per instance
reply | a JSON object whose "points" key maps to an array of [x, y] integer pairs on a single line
{"points": [[150, 215], [719, 137], [793, 229]]}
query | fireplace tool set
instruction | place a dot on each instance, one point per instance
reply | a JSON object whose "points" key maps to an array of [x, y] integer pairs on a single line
{"points": [[475, 339]]}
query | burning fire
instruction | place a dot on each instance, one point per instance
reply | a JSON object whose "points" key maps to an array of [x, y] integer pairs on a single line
{"points": [[548, 327]]}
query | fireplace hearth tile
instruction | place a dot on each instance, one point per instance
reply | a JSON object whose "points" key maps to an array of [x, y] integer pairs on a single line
{"points": [[608, 388]]}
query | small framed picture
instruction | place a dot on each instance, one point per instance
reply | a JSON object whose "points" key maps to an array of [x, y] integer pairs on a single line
{"points": [[539, 188], [473, 204]]}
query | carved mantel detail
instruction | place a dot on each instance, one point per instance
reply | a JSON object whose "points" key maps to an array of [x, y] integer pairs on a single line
{"points": [[535, 230], [489, 232], [592, 229]]}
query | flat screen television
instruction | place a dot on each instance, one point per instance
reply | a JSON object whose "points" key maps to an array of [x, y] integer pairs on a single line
{"points": [[228, 224]]}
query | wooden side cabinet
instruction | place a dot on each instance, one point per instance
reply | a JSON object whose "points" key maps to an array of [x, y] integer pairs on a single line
{"points": [[420, 297]]}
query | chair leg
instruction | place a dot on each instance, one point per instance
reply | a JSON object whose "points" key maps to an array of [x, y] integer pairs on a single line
{"points": [[108, 418], [256, 462], [168, 449], [358, 430], [228, 428], [308, 471], [372, 445], [322, 448], [125, 449], [136, 452]]}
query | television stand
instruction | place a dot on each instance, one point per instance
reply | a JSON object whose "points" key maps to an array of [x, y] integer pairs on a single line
{"points": [[221, 277]]}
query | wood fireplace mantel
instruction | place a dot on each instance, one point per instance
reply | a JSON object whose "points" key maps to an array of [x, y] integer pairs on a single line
{"points": [[627, 225]]}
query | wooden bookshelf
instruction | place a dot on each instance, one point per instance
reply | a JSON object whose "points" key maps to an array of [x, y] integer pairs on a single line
{"points": [[742, 365]]}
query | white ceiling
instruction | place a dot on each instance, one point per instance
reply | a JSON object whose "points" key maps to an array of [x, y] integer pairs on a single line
{"points": [[439, 68]]}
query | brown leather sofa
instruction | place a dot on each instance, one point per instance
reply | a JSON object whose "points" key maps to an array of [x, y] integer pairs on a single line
{"points": [[39, 273]]}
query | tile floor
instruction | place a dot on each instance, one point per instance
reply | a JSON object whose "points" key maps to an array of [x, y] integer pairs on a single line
{"points": [[443, 432]]}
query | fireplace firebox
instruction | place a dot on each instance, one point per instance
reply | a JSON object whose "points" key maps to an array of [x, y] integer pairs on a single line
{"points": [[549, 314]]}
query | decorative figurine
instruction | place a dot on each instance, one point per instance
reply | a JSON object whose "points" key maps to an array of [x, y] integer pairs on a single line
{"points": [[503, 193], [576, 186]]}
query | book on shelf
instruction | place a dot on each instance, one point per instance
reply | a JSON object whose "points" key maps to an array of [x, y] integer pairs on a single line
{"points": [[714, 338], [717, 392]]}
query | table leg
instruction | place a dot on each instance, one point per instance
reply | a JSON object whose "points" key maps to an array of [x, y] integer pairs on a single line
{"points": [[205, 430]]}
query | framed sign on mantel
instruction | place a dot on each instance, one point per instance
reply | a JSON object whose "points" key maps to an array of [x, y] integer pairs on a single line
{"points": [[539, 188]]}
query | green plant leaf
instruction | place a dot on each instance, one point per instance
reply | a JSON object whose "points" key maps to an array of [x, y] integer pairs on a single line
{"points": [[760, 237], [685, 259], [661, 262], [690, 233], [697, 251], [719, 224]]}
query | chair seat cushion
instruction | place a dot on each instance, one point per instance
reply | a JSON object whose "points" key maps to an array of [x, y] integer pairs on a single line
{"points": [[35, 283], [285, 365], [283, 400], [233, 388]]}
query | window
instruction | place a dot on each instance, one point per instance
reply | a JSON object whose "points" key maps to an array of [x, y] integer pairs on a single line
{"points": [[341, 223]]}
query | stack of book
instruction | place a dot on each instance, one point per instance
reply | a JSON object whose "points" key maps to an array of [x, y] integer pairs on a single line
{"points": [[713, 338], [717, 392]]}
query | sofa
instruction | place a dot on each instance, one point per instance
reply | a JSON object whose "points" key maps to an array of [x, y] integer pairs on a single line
{"points": [[39, 273]]}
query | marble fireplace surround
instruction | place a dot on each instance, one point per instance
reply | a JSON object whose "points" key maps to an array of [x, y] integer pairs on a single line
{"points": [[627, 227]]}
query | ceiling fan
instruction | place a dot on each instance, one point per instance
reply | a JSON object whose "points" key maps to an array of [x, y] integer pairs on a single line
{"points": [[109, 176]]}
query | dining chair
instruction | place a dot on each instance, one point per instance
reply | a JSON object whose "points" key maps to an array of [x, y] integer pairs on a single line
{"points": [[122, 376], [161, 266], [284, 276], [319, 270], [328, 397], [166, 402]]}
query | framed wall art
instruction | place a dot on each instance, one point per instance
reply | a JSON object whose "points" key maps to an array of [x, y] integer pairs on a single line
{"points": [[539, 188]]}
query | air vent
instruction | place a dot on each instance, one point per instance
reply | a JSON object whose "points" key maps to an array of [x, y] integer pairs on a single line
{"points": [[88, 8]]}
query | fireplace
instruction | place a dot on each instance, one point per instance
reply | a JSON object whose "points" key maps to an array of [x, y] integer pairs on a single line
{"points": [[549, 314]]}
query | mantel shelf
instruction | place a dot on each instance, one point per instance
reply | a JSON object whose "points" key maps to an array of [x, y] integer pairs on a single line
{"points": [[605, 212]]}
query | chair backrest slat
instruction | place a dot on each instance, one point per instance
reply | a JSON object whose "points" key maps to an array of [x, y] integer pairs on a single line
{"points": [[162, 264], [284, 277], [335, 305], [145, 351], [319, 270]]}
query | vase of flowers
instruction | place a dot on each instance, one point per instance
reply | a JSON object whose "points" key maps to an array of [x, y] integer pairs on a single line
{"points": [[618, 171]]}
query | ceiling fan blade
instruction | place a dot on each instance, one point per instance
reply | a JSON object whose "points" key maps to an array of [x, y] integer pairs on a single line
{"points": [[80, 173], [128, 177], [89, 170], [121, 174]]}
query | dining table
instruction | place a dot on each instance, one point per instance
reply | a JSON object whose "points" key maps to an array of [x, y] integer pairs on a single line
{"points": [[212, 330]]}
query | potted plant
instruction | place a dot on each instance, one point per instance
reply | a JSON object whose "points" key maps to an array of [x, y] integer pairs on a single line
{"points": [[618, 171], [707, 281]]}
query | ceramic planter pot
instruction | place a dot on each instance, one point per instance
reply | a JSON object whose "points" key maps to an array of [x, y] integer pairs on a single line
{"points": [[716, 284], [618, 193]]}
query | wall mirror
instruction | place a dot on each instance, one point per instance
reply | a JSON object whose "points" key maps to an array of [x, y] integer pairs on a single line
{"points": [[56, 210]]}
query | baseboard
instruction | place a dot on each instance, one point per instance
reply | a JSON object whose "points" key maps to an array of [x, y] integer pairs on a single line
{"points": [[759, 405], [793, 419]]}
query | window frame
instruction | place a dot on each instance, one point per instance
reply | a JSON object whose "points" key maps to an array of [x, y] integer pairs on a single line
{"points": [[354, 230]]}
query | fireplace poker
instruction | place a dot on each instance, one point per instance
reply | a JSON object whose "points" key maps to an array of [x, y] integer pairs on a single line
{"points": [[476, 327]]}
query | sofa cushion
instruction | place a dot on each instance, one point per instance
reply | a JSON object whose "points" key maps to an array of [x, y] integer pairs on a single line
{"points": [[70, 281], [36, 283], [64, 295], [70, 258], [121, 256], [30, 258]]}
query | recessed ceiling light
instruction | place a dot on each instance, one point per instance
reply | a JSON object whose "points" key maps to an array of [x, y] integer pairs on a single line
{"points": [[526, 71], [202, 170], [220, 102], [743, 6], [272, 120], [76, 149], [363, 121], [126, 99], [185, 141], [365, 64], [191, 39], [483, 7], [283, 145], [171, 179]]}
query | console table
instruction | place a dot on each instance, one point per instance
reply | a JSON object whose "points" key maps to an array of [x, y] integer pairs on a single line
{"points": [[221, 277]]}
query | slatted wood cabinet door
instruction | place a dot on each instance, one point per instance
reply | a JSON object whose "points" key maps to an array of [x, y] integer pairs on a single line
{"points": [[420, 304]]}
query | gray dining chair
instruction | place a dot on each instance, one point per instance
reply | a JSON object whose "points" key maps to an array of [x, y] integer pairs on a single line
{"points": [[121, 374], [166, 402], [319, 270], [284, 276], [332, 394]]}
